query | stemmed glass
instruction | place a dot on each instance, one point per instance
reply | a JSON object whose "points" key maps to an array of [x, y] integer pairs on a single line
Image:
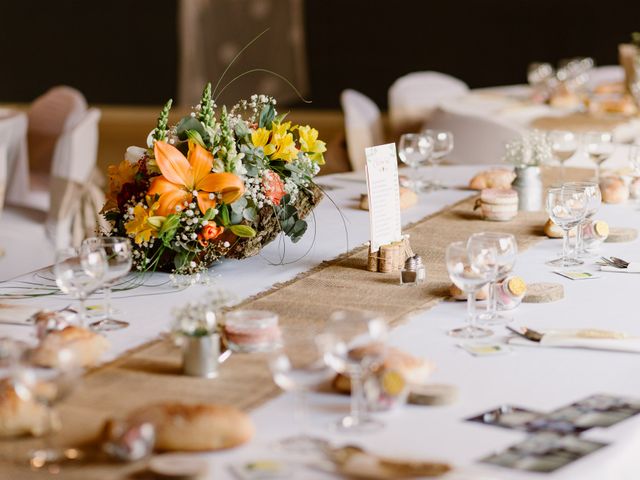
{"points": [[442, 146], [599, 147], [413, 149], [355, 346], [298, 367], [470, 270], [566, 208], [594, 200], [564, 145], [79, 274], [506, 249], [118, 251]]}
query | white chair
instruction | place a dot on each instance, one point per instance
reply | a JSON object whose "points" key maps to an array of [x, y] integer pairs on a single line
{"points": [[363, 126], [477, 140], [606, 74], [3, 175], [414, 97]]}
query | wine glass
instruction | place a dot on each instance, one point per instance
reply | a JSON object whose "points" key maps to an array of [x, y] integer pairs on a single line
{"points": [[506, 249], [470, 270], [564, 145], [355, 346], [599, 147], [298, 367], [541, 78], [566, 208], [413, 149], [118, 250], [442, 146], [594, 201], [79, 274]]}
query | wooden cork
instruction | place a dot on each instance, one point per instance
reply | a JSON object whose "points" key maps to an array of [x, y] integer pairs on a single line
{"points": [[386, 262], [543, 293], [435, 394], [619, 234], [372, 261]]}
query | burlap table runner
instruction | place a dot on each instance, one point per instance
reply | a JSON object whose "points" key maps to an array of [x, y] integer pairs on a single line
{"points": [[152, 373], [580, 122]]}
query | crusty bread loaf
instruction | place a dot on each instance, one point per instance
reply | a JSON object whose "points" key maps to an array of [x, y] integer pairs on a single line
{"points": [[458, 294], [494, 178], [614, 189], [22, 414], [415, 370], [86, 347], [199, 427]]}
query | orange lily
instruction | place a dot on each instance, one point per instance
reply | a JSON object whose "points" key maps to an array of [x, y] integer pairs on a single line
{"points": [[183, 177]]}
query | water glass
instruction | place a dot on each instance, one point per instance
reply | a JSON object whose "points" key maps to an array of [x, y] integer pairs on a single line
{"points": [[414, 149], [600, 147], [567, 208], [564, 145], [118, 252], [594, 201], [506, 248], [355, 347], [442, 146], [470, 270]]}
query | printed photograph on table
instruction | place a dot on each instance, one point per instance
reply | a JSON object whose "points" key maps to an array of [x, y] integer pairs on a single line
{"points": [[596, 411], [544, 453], [508, 416]]}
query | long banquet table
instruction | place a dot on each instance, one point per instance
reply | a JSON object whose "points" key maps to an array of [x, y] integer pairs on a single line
{"points": [[538, 378]]}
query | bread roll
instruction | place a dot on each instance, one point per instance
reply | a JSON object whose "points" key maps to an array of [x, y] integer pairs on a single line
{"points": [[85, 347], [408, 198], [614, 190], [551, 230], [199, 427], [458, 294], [495, 178], [415, 370], [22, 414]]}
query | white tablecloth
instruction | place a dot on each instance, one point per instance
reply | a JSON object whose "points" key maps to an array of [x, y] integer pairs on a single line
{"points": [[540, 379]]}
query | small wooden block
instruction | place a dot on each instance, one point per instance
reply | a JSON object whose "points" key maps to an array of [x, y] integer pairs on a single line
{"points": [[543, 293], [620, 234], [434, 394]]}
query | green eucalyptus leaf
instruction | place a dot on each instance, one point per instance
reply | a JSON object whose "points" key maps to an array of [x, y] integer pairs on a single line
{"points": [[267, 115], [280, 118], [243, 231], [235, 217], [239, 205], [209, 214], [250, 214], [190, 123], [242, 130]]}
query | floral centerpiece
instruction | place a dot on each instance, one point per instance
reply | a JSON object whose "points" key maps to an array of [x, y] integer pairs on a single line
{"points": [[532, 149], [219, 183]]}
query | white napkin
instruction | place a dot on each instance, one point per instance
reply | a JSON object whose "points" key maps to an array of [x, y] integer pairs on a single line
{"points": [[634, 267], [573, 339]]}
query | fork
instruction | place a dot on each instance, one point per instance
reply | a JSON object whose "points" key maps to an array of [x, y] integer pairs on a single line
{"points": [[610, 263]]}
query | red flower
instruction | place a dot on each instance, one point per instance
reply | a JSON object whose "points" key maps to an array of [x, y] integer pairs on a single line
{"points": [[273, 187]]}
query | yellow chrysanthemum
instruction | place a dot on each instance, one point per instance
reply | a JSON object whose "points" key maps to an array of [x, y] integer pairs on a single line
{"points": [[260, 137], [119, 175], [144, 224], [310, 144]]}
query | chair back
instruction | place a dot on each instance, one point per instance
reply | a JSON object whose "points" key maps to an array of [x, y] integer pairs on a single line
{"points": [[363, 126], [414, 97], [477, 140], [13, 140], [606, 74]]}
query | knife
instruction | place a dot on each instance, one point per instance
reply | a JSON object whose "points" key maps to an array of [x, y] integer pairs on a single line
{"points": [[588, 333], [527, 333]]}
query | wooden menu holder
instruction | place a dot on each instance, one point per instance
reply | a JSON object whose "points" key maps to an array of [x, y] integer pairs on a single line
{"points": [[390, 257]]}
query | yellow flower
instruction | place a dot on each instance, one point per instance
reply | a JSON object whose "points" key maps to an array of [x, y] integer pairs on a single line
{"points": [[282, 145], [119, 175], [310, 144], [144, 224], [260, 137]]}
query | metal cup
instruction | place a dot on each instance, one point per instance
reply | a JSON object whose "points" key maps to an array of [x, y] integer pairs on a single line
{"points": [[200, 355]]}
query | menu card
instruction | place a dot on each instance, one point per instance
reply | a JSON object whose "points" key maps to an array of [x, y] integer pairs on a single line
{"points": [[384, 195]]}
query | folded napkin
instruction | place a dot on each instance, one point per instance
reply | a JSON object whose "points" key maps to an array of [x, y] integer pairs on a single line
{"points": [[633, 267], [590, 339], [13, 313]]}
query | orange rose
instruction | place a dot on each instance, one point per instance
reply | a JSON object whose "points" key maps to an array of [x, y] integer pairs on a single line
{"points": [[202, 241], [211, 231], [273, 187]]}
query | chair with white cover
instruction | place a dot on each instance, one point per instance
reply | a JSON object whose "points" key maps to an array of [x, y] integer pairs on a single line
{"points": [[605, 75], [363, 126], [477, 140], [75, 191], [415, 96], [13, 141], [52, 115]]}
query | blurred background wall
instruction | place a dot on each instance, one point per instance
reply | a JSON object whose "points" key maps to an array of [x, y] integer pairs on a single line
{"points": [[129, 52]]}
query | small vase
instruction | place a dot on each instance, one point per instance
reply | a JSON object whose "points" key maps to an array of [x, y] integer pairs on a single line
{"points": [[528, 184], [200, 355]]}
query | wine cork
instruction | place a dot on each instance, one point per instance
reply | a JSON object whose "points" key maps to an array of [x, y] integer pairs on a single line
{"points": [[619, 234], [408, 251], [372, 261], [434, 394], [543, 293], [385, 259]]}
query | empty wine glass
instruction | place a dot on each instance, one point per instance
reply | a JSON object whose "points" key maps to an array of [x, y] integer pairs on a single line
{"points": [[566, 208], [118, 251], [355, 346], [564, 145], [79, 274], [600, 147], [593, 197], [299, 366], [506, 249], [413, 149], [442, 146], [470, 270]]}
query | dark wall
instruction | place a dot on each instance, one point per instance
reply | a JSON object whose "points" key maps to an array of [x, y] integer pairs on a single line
{"points": [[125, 51]]}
